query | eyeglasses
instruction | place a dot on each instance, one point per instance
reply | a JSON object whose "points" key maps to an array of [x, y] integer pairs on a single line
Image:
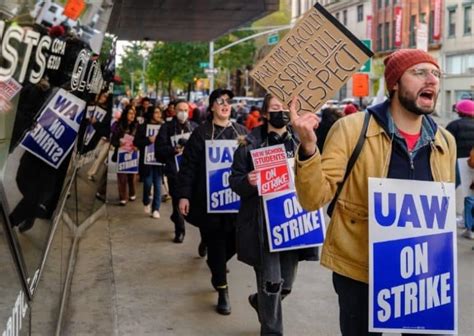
{"points": [[222, 101], [423, 73]]}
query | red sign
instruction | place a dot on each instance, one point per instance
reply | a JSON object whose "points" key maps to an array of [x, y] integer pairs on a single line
{"points": [[360, 85], [369, 27], [274, 172], [398, 26], [437, 20], [74, 8]]}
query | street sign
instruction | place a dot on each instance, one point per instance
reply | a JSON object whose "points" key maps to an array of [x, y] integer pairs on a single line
{"points": [[273, 39], [208, 71], [204, 64], [367, 67]]}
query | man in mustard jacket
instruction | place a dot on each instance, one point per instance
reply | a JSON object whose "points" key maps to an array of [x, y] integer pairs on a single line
{"points": [[402, 141]]}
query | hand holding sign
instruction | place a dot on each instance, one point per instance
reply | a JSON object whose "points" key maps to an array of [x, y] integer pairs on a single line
{"points": [[304, 126], [252, 177]]}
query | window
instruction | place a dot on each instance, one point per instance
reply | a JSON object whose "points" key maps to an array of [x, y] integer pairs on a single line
{"points": [[360, 13], [379, 37], [379, 4], [386, 42], [467, 20], [422, 17], [344, 17], [431, 28], [387, 3], [412, 30], [395, 2], [459, 64], [337, 16], [451, 22]]}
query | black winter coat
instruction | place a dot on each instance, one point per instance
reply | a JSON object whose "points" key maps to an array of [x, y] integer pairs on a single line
{"points": [[463, 131], [251, 229], [164, 149], [192, 175], [141, 141]]}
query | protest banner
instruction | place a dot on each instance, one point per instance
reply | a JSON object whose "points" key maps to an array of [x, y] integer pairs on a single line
{"points": [[219, 157], [149, 159], [127, 162], [175, 138], [9, 89], [289, 226], [412, 257], [55, 132], [93, 112], [272, 166], [312, 61]]}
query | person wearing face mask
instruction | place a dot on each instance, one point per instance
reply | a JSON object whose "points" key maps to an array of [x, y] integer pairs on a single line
{"points": [[217, 229], [276, 271], [169, 143]]}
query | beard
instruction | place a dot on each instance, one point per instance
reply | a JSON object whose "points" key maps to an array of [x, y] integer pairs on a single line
{"points": [[408, 101]]}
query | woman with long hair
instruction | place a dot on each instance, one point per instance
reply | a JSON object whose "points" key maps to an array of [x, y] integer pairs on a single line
{"points": [[275, 271], [123, 134]]}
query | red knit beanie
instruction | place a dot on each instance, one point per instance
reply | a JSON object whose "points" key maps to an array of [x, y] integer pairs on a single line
{"points": [[399, 61]]}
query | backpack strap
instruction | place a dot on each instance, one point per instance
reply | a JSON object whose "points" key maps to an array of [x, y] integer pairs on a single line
{"points": [[351, 163]]}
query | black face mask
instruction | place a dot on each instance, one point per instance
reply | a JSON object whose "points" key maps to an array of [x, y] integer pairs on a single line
{"points": [[279, 119]]}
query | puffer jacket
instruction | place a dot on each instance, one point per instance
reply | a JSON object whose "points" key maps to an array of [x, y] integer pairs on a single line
{"points": [[251, 230], [345, 250]]}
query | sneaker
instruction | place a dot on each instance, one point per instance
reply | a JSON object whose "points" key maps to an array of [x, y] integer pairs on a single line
{"points": [[91, 178], [148, 209], [468, 234], [460, 222], [165, 198], [123, 202], [155, 214], [132, 198]]}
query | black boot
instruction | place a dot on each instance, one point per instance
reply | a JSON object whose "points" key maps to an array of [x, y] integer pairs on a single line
{"points": [[223, 302]]}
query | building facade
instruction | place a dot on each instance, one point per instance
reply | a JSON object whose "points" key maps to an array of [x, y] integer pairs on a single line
{"points": [[457, 56]]}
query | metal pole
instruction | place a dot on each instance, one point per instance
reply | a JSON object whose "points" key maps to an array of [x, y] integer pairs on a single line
{"points": [[143, 76], [211, 66]]}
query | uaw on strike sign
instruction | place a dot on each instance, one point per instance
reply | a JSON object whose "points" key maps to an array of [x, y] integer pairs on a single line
{"points": [[56, 128], [412, 257], [219, 158]]}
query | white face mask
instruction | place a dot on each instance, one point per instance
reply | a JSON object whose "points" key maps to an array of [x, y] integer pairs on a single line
{"points": [[169, 118], [182, 116]]}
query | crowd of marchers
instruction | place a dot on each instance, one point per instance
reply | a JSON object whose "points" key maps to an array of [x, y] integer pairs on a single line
{"points": [[402, 141]]}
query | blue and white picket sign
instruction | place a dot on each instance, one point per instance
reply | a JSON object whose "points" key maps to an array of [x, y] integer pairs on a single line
{"points": [[175, 138], [412, 257], [149, 159], [55, 132], [127, 162], [178, 159], [289, 226], [219, 157], [93, 112]]}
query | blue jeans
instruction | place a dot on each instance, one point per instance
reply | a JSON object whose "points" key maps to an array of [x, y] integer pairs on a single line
{"points": [[152, 178], [469, 212]]}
